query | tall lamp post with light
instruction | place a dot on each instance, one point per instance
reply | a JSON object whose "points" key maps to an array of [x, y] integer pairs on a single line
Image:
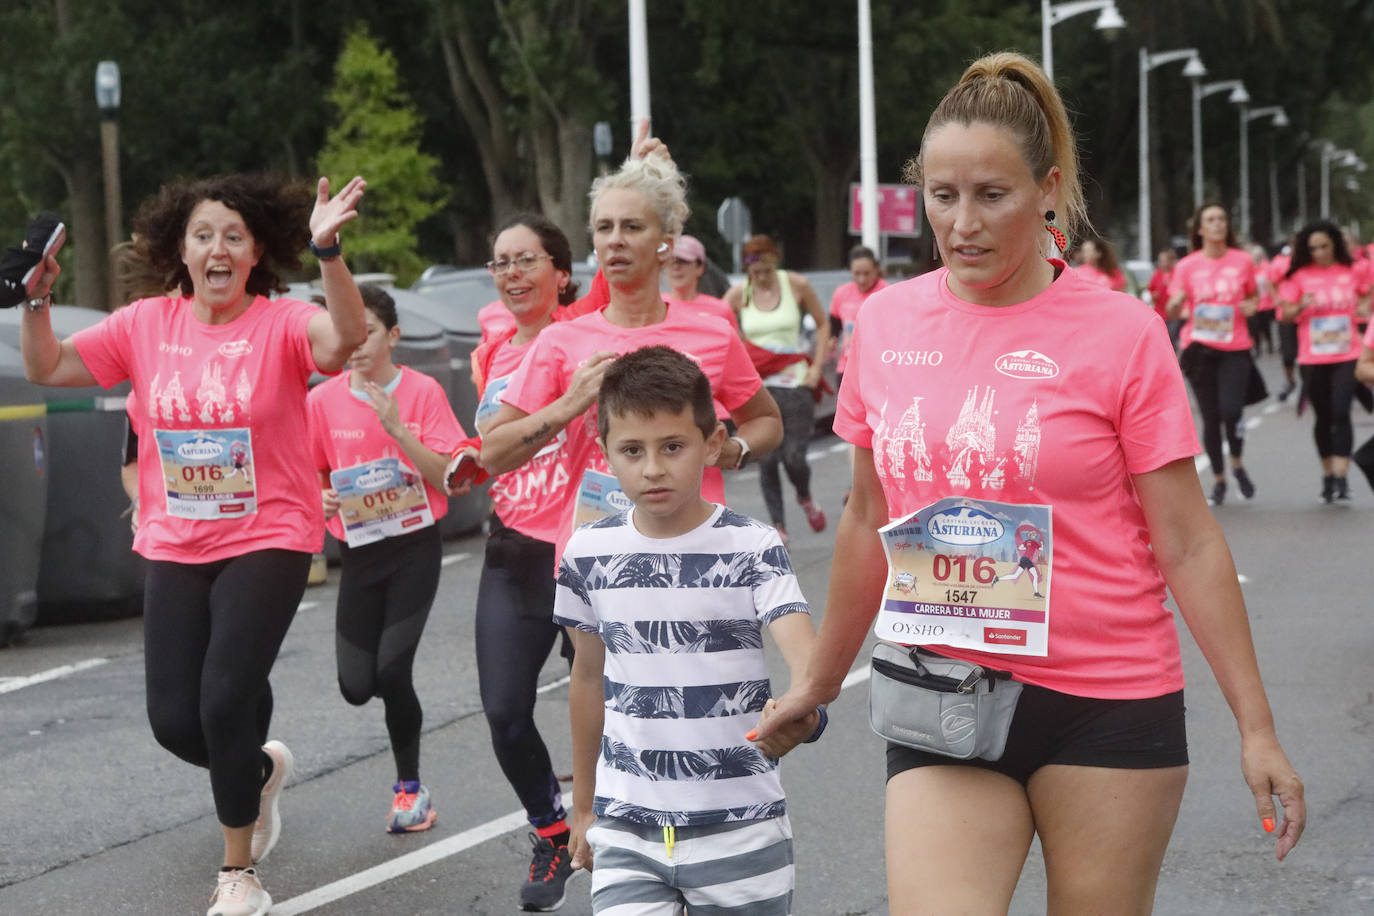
{"points": [[107, 100], [1109, 22], [1343, 157], [1200, 91], [1149, 62], [1279, 118]]}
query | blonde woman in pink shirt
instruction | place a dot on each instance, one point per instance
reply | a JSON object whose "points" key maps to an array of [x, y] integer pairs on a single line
{"points": [[229, 505], [1003, 393]]}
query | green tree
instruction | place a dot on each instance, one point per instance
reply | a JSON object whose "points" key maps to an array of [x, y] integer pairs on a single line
{"points": [[377, 135]]}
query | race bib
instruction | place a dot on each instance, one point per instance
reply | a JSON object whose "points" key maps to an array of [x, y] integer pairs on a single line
{"points": [[1329, 335], [1214, 323], [380, 499], [207, 474], [969, 573], [598, 496]]}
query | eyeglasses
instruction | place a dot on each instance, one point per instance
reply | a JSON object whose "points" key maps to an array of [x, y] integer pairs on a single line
{"points": [[524, 261]]}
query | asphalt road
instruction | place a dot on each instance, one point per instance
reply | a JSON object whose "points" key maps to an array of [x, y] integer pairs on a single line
{"points": [[96, 818]]}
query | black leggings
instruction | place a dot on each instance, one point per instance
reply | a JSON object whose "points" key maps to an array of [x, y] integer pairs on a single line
{"points": [[1220, 380], [515, 633], [798, 408], [1288, 343], [1330, 388], [211, 632], [385, 592]]}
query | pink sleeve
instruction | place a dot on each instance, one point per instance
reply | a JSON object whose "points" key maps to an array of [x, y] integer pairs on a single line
{"points": [[1154, 421], [441, 431], [1290, 290], [106, 348], [1177, 279], [851, 416], [540, 379], [298, 322], [740, 381]]}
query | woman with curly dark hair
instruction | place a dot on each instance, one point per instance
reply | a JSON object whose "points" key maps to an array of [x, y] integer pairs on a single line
{"points": [[229, 506]]}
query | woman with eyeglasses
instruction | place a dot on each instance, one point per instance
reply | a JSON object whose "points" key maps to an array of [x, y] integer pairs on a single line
{"points": [[1324, 294], [770, 305]]}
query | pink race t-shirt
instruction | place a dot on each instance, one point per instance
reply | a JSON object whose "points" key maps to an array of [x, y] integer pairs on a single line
{"points": [[707, 305], [1214, 289], [531, 498], [345, 431], [1326, 328], [495, 320], [562, 347], [1115, 281], [1054, 401], [231, 398], [844, 306], [1267, 302]]}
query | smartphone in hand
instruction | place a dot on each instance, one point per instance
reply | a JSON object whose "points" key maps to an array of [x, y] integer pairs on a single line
{"points": [[465, 470]]}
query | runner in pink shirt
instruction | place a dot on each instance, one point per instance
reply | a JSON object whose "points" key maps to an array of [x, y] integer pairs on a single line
{"points": [[1322, 293], [1214, 289], [1261, 324], [684, 272], [636, 213], [229, 511], [532, 267], [845, 302], [1005, 388], [1364, 374], [1099, 266], [1288, 332], [377, 432]]}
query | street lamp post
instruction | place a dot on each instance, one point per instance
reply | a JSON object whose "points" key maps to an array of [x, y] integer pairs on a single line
{"points": [[1149, 62], [1109, 21], [1200, 92], [868, 133], [1279, 119], [639, 66], [107, 100], [1331, 154]]}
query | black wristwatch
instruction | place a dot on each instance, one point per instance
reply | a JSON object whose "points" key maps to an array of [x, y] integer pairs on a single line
{"points": [[326, 254]]}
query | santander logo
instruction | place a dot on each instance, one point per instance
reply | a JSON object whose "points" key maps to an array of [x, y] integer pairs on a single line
{"points": [[1026, 364], [235, 348]]}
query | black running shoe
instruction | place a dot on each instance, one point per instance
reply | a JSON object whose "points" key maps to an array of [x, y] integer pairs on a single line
{"points": [[1218, 493], [543, 890], [1247, 486], [1342, 488], [1328, 488]]}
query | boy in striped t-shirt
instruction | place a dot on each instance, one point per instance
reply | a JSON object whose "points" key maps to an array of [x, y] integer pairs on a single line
{"points": [[666, 604]]}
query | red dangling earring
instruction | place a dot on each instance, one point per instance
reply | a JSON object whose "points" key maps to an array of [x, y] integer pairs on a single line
{"points": [[1060, 239]]}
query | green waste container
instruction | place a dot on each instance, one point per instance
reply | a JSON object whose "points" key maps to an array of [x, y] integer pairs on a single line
{"points": [[23, 499]]}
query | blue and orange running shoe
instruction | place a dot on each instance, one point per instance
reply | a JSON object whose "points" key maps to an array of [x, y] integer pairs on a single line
{"points": [[411, 810]]}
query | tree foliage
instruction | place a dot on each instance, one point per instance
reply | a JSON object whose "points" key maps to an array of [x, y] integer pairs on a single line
{"points": [[376, 134]]}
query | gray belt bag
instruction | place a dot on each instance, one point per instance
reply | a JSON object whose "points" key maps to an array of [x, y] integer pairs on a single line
{"points": [[940, 705]]}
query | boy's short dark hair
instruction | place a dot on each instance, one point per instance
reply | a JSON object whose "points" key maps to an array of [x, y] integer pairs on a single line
{"points": [[651, 379]]}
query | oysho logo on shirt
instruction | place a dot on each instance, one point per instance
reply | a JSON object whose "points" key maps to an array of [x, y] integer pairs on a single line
{"points": [[346, 433], [235, 348], [179, 350], [1026, 364], [912, 357]]}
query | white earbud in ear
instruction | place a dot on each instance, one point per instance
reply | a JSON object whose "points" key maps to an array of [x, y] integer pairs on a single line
{"points": [[662, 247]]}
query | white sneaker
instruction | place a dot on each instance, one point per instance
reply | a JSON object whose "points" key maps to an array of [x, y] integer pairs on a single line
{"points": [[239, 893], [268, 827]]}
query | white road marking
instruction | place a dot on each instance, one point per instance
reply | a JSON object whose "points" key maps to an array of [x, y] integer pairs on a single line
{"points": [[554, 685], [454, 558], [306, 605], [450, 846], [1242, 578], [11, 684]]}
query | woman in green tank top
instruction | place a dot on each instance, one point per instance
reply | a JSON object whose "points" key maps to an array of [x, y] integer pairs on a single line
{"points": [[770, 305]]}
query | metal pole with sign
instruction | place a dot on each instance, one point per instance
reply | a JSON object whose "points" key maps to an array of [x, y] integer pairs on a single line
{"points": [[734, 223]]}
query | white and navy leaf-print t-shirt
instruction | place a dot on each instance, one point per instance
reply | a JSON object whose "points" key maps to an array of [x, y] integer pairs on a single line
{"points": [[682, 620]]}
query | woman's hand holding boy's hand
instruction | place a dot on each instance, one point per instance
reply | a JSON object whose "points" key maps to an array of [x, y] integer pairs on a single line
{"points": [[775, 736]]}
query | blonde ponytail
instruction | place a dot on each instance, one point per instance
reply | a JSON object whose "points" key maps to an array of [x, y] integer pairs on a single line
{"points": [[1009, 90]]}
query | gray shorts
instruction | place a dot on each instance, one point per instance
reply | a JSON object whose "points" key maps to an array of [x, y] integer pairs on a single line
{"points": [[742, 867]]}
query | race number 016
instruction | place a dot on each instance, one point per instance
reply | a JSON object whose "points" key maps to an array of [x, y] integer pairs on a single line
{"points": [[373, 500], [983, 569]]}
